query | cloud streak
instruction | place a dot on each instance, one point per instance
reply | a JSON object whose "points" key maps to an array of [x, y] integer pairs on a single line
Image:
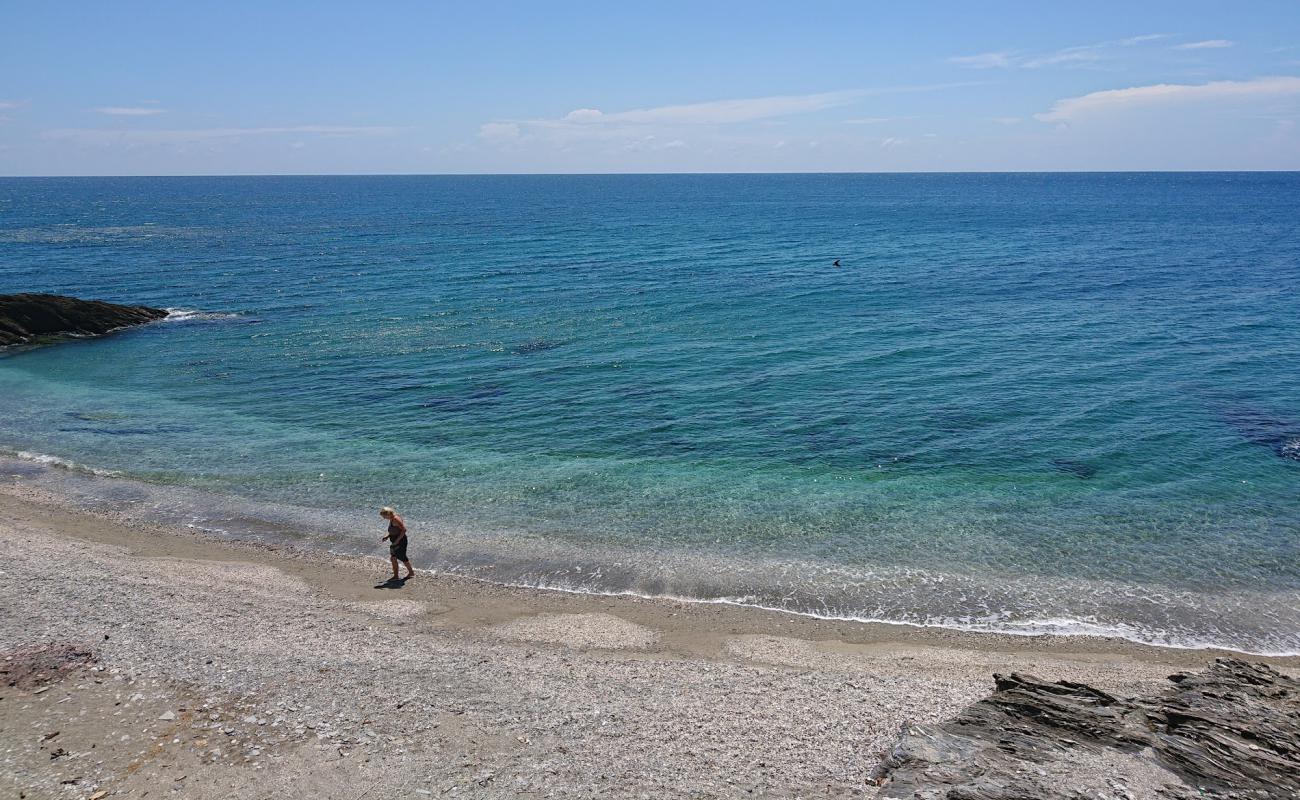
{"points": [[595, 123], [1072, 108], [1208, 44], [718, 112], [129, 111], [1000, 59], [183, 136], [1076, 55]]}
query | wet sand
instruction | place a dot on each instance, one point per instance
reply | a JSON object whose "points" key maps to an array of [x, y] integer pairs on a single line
{"points": [[228, 669]]}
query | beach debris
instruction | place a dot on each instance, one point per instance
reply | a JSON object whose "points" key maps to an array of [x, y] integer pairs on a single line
{"points": [[41, 666], [1232, 730]]}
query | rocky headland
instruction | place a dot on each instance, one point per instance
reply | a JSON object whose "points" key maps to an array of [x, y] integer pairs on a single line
{"points": [[26, 318]]}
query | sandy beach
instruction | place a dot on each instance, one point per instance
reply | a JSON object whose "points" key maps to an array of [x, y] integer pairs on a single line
{"points": [[202, 668]]}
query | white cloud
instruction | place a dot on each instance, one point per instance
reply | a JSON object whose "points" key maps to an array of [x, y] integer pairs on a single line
{"points": [[1071, 55], [1139, 96], [999, 59], [499, 131], [1076, 55], [651, 143], [128, 111], [718, 112], [1208, 44], [591, 122], [583, 115], [1146, 37], [6, 106], [675, 131], [101, 136], [874, 120]]}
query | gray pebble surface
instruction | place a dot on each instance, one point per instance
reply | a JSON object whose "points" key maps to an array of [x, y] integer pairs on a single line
{"points": [[239, 680]]}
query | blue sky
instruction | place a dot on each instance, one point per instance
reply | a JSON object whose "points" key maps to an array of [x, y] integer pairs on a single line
{"points": [[130, 88]]}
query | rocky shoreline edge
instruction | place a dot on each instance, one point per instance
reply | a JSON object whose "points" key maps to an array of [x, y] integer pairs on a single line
{"points": [[33, 317], [1229, 731]]}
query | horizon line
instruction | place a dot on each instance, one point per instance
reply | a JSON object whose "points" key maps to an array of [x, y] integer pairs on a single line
{"points": [[632, 174]]}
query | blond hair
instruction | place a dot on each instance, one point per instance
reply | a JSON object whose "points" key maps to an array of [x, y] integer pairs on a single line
{"points": [[386, 511]]}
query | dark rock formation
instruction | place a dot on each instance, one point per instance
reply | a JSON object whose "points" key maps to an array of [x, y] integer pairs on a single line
{"points": [[26, 317], [1232, 731]]}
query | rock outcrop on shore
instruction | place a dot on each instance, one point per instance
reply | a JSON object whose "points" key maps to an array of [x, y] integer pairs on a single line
{"points": [[27, 317], [1230, 731]]}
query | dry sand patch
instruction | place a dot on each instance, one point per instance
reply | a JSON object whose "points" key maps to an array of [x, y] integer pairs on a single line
{"points": [[395, 610], [604, 631]]}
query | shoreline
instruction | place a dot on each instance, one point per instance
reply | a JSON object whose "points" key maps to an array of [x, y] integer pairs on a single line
{"points": [[332, 572], [455, 684], [217, 545], [89, 484]]}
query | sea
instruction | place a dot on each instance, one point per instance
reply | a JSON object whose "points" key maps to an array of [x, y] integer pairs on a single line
{"points": [[1024, 403]]}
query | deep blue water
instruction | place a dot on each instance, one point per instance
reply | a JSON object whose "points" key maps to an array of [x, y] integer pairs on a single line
{"points": [[1055, 402]]}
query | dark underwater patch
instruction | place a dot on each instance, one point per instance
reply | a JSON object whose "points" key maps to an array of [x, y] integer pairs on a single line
{"points": [[96, 416], [466, 401], [1279, 434], [1079, 469], [111, 431]]}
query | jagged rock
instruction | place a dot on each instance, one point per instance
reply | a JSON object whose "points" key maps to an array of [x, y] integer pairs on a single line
{"points": [[25, 317], [1232, 731]]}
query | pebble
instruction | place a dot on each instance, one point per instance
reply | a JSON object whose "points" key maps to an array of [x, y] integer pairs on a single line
{"points": [[699, 723]]}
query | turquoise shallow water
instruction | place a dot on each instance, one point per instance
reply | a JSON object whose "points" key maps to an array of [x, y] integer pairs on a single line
{"points": [[1060, 402]]}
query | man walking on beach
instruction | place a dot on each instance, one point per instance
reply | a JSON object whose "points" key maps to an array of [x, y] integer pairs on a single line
{"points": [[396, 538]]}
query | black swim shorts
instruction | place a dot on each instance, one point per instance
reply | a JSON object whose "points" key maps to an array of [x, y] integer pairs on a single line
{"points": [[398, 551]]}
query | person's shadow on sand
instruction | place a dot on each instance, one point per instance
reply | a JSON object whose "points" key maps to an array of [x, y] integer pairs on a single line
{"points": [[391, 583]]}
